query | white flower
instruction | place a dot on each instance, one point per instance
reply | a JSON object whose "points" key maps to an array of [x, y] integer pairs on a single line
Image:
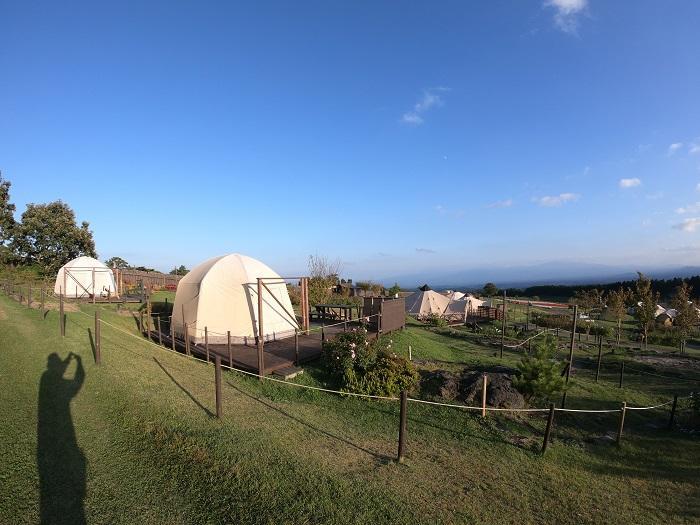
{"points": [[352, 345], [352, 354]]}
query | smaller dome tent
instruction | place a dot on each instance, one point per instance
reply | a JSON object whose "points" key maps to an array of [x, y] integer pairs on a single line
{"points": [[84, 277], [221, 294]]}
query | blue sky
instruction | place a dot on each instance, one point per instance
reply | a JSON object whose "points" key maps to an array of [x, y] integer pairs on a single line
{"points": [[396, 137]]}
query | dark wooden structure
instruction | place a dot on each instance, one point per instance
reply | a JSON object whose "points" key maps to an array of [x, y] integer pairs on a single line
{"points": [[386, 314]]}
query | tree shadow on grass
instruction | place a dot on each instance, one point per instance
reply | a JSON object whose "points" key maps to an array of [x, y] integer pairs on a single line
{"points": [[187, 392], [381, 458], [60, 462]]}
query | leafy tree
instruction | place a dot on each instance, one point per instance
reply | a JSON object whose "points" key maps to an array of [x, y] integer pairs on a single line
{"points": [[7, 219], [117, 262], [540, 375], [394, 290], [645, 305], [490, 290], [48, 236], [323, 277], [686, 316], [181, 270], [617, 307]]}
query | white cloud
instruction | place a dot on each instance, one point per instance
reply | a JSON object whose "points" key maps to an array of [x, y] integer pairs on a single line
{"points": [[506, 203], [694, 148], [553, 201], [691, 208], [674, 147], [629, 183], [566, 13], [425, 250], [431, 99], [688, 225]]}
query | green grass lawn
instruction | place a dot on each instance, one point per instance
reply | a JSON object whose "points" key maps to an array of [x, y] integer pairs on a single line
{"points": [[135, 442]]}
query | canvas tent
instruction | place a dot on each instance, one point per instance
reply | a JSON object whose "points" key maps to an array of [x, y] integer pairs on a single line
{"points": [[221, 294], [85, 277], [454, 295]]}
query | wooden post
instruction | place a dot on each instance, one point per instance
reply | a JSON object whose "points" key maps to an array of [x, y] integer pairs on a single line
{"points": [[673, 411], [160, 333], [148, 317], [622, 374], [402, 425], [483, 396], [503, 324], [187, 340], [61, 315], [43, 299], [600, 357], [217, 385], [410, 357], [296, 347], [622, 422], [172, 332], [206, 341], [141, 321], [29, 297], [573, 345], [98, 337], [228, 347], [548, 428], [261, 337]]}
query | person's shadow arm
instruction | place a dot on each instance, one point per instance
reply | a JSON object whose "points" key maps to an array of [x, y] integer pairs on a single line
{"points": [[79, 376]]}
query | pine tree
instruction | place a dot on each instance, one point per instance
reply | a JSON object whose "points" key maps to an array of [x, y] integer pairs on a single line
{"points": [[686, 314], [540, 374]]}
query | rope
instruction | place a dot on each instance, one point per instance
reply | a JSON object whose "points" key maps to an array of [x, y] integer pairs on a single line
{"points": [[529, 338], [387, 398]]}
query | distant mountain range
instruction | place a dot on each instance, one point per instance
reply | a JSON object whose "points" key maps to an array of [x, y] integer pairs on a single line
{"points": [[545, 273]]}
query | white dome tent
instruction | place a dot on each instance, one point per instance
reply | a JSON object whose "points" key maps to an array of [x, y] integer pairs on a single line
{"points": [[221, 295], [85, 277]]}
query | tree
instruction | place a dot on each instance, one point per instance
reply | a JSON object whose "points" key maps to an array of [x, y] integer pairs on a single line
{"points": [[117, 262], [645, 305], [7, 218], [540, 375], [490, 290], [48, 236], [686, 313], [323, 276], [394, 290], [617, 308], [181, 270]]}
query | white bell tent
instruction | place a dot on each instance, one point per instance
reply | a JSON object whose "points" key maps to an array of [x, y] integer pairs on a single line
{"points": [[85, 277], [221, 295]]}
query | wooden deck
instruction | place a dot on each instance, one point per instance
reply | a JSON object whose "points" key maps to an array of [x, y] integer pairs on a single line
{"points": [[278, 354]]}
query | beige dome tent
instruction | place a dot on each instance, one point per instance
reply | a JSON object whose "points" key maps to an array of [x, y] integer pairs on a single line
{"points": [[221, 294], [85, 277]]}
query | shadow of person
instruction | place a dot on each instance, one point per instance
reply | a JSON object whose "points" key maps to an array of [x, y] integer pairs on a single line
{"points": [[60, 461]]}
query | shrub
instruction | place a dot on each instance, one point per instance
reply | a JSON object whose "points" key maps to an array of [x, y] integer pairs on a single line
{"points": [[368, 368], [435, 320], [540, 374]]}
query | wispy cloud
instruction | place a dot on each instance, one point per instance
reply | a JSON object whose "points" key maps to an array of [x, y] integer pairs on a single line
{"points": [[673, 148], [629, 183], [690, 208], [506, 203], [431, 99], [694, 148], [554, 201], [566, 13], [425, 250], [688, 225], [441, 210]]}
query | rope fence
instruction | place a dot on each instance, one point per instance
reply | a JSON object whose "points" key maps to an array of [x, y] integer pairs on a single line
{"points": [[403, 398]]}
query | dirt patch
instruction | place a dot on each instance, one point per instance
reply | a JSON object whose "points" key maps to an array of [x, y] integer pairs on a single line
{"points": [[670, 362], [3, 315]]}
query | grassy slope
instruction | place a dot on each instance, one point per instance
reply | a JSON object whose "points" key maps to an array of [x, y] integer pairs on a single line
{"points": [[282, 454]]}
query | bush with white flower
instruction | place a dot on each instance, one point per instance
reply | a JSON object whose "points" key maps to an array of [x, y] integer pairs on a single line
{"points": [[368, 367]]}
